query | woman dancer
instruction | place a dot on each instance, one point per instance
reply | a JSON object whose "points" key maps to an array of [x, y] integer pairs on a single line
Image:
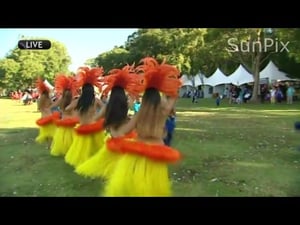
{"points": [[45, 123], [143, 168], [89, 134], [116, 114], [63, 137]]}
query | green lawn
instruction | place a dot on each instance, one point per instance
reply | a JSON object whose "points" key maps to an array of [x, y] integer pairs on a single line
{"points": [[230, 150]]}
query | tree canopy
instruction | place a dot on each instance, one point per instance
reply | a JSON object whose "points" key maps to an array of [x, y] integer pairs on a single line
{"points": [[20, 68], [192, 50]]}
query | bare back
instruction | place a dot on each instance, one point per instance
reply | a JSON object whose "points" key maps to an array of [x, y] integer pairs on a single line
{"points": [[89, 116], [44, 106], [147, 136]]}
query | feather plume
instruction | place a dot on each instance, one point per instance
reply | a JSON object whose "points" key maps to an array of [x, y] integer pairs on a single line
{"points": [[90, 128], [156, 152], [125, 78], [164, 77], [40, 85], [91, 76], [63, 82]]}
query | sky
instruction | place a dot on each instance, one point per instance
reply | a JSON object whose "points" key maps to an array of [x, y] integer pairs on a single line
{"points": [[81, 44]]}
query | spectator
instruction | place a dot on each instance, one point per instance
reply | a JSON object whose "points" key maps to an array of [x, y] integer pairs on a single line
{"points": [[27, 98], [218, 99], [290, 94], [137, 105], [170, 127]]}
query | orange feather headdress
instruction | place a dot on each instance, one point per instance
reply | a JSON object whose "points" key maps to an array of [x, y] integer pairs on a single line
{"points": [[41, 86], [163, 77], [91, 76], [63, 82], [126, 78]]}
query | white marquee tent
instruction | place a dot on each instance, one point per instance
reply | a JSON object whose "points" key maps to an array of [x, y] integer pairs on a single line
{"points": [[187, 84], [241, 76], [217, 78], [186, 81], [192, 82], [200, 79], [273, 73]]}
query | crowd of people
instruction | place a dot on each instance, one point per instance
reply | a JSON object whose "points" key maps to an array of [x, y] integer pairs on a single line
{"points": [[98, 137], [27, 97], [276, 93], [237, 94]]}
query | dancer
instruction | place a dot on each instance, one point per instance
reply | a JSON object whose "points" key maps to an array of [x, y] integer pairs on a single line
{"points": [[89, 134], [115, 115], [65, 86], [143, 168], [45, 123]]}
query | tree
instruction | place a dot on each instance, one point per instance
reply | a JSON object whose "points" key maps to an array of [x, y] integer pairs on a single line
{"points": [[251, 47], [147, 42], [214, 54], [178, 46], [27, 65], [287, 64], [288, 39], [116, 58], [8, 69]]}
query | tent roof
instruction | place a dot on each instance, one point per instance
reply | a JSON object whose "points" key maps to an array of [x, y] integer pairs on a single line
{"points": [[241, 76], [217, 78], [186, 81], [272, 72], [198, 78]]}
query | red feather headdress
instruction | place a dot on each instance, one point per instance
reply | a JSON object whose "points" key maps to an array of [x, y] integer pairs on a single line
{"points": [[63, 82], [163, 77], [91, 76], [40, 85], [126, 78]]}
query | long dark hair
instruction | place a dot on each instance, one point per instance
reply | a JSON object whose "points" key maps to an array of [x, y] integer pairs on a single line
{"points": [[152, 97], [116, 109], [86, 99], [150, 120]]}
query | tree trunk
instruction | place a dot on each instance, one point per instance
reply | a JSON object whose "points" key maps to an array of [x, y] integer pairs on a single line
{"points": [[256, 63], [255, 69]]}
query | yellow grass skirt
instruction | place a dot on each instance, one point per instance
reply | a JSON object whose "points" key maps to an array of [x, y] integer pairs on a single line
{"points": [[45, 132], [142, 170], [63, 136], [46, 128], [100, 164], [103, 163], [86, 142]]}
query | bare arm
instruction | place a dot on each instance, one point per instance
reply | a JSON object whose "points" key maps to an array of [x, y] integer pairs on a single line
{"points": [[72, 105], [126, 128], [169, 105], [39, 105], [130, 101], [99, 103], [56, 103]]}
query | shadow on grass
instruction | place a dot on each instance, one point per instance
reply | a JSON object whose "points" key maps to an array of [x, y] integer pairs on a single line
{"points": [[28, 169], [17, 136]]}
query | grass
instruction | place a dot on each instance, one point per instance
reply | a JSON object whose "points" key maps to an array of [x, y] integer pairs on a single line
{"points": [[230, 150]]}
